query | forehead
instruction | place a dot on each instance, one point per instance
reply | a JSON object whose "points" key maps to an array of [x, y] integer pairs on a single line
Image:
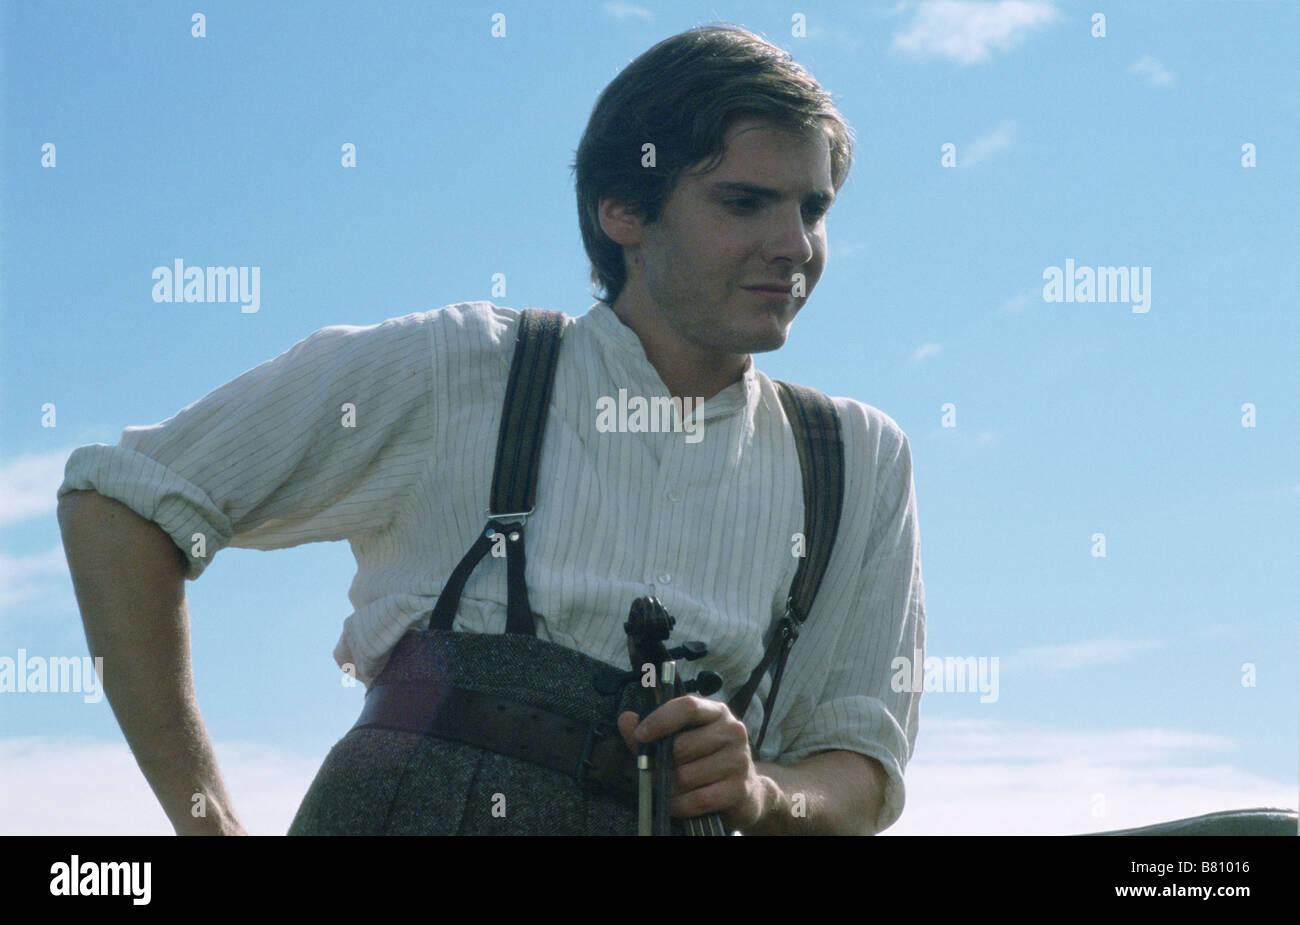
{"points": [[763, 152]]}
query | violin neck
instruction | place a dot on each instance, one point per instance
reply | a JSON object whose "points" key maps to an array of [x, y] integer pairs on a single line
{"points": [[708, 824]]}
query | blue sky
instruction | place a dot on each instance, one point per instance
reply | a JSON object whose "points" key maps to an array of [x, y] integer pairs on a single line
{"points": [[1121, 699]]}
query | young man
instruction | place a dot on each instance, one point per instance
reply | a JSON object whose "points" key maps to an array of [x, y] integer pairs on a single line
{"points": [[703, 181]]}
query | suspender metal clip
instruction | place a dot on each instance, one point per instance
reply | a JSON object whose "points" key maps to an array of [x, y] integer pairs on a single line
{"points": [[517, 518]]}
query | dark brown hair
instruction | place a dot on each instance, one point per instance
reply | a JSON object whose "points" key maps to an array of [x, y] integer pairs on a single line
{"points": [[682, 96]]}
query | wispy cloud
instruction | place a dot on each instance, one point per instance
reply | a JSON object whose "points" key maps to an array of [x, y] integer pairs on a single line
{"points": [[968, 32], [1083, 654], [837, 33], [925, 351], [848, 249], [1152, 70], [969, 777], [965, 437], [29, 483], [985, 146], [625, 11], [984, 777], [1020, 301], [48, 792]]}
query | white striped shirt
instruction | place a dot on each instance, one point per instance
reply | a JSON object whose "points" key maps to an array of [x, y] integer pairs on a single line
{"points": [[705, 521]]}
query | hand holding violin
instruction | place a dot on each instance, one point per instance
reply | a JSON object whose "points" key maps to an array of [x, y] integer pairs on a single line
{"points": [[713, 768]]}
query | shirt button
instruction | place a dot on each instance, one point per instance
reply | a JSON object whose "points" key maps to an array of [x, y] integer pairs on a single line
{"points": [[663, 578], [674, 496]]}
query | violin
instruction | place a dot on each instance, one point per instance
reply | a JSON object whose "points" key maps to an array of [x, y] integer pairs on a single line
{"points": [[648, 627]]}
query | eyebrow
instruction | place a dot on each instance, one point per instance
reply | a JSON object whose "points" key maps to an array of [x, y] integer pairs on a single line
{"points": [[821, 199]]}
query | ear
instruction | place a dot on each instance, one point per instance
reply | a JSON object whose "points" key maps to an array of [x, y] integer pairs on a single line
{"points": [[622, 225]]}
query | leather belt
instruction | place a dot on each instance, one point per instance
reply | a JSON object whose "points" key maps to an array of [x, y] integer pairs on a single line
{"points": [[591, 752]]}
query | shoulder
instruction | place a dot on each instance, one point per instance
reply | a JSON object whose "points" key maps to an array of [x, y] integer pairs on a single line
{"points": [[877, 460], [469, 322], [872, 432], [474, 319], [870, 435], [454, 330], [467, 327], [478, 320]]}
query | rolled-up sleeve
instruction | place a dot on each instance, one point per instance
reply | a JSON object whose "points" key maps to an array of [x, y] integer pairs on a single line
{"points": [[859, 708], [320, 443]]}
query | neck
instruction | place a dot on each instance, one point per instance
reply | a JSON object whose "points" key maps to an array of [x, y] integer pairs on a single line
{"points": [[688, 370]]}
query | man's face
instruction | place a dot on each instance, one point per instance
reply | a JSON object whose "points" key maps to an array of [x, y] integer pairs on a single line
{"points": [[756, 220]]}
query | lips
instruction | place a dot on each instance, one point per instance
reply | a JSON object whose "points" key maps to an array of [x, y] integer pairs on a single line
{"points": [[779, 288]]}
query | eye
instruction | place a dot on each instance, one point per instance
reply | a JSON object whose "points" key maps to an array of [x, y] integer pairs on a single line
{"points": [[746, 204], [816, 213]]}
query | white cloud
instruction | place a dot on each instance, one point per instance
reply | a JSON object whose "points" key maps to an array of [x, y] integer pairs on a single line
{"points": [[623, 11], [968, 32], [29, 484], [47, 791], [925, 351], [1019, 301], [985, 146], [840, 251], [1082, 654], [983, 777], [969, 777], [23, 578], [1155, 72], [837, 33]]}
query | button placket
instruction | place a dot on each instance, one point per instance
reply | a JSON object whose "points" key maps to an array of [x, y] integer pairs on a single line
{"points": [[670, 512]]}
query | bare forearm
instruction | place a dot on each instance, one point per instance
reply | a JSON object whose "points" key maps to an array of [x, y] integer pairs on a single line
{"points": [[832, 793], [128, 578]]}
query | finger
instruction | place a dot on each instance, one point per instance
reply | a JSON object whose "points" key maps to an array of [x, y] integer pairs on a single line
{"points": [[717, 766], [724, 733], [627, 723], [677, 714]]}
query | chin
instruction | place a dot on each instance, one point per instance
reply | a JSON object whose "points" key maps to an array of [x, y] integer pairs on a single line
{"points": [[767, 345], [769, 339], [777, 330]]}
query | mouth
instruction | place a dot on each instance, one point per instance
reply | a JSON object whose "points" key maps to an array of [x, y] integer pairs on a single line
{"points": [[783, 292]]}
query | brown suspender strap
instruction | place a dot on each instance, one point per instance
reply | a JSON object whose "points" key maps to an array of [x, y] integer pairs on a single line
{"points": [[818, 440], [523, 417], [819, 443], [514, 478]]}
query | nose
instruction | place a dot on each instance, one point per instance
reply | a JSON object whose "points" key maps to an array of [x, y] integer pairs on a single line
{"points": [[789, 238]]}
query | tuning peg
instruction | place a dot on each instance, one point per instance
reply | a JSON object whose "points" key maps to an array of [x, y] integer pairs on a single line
{"points": [[706, 684], [690, 651]]}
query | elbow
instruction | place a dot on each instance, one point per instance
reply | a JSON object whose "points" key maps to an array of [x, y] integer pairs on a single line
{"points": [[873, 801], [71, 507]]}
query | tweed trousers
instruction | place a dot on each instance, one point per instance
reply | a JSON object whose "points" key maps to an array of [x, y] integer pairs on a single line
{"points": [[386, 782]]}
